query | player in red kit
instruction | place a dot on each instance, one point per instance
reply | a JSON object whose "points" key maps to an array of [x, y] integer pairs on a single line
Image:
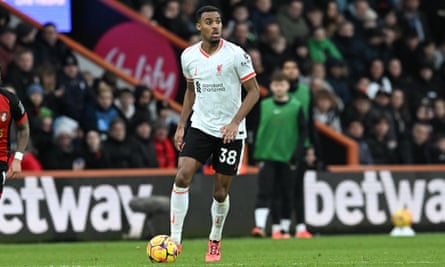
{"points": [[11, 109]]}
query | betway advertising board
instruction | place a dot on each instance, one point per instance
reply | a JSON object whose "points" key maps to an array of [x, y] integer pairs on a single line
{"points": [[68, 209]]}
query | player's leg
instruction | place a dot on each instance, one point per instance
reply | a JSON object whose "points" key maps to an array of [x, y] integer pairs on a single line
{"points": [[263, 198], [300, 229], [286, 187], [179, 201], [276, 203], [226, 162], [219, 210], [2, 181], [195, 152]]}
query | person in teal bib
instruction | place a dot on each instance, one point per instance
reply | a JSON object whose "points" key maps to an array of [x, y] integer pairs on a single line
{"points": [[278, 146]]}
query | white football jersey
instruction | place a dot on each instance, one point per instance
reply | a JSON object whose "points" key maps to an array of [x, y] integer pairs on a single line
{"points": [[217, 80]]}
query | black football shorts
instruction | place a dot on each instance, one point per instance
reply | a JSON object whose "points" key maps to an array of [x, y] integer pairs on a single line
{"points": [[201, 146]]}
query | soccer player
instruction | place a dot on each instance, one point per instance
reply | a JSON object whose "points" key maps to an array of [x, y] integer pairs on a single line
{"points": [[215, 70], [11, 109], [278, 147]]}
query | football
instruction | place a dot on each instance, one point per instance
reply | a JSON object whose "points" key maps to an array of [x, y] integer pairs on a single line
{"points": [[401, 218], [162, 249]]}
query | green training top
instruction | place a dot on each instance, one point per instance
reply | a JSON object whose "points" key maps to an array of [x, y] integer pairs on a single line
{"points": [[278, 132]]}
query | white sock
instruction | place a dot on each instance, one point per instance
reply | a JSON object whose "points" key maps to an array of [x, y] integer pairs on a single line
{"points": [[179, 204], [276, 228], [285, 225], [219, 212], [261, 217], [301, 227]]}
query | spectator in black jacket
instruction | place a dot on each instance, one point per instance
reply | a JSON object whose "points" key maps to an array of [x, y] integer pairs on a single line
{"points": [[21, 72], [417, 149], [49, 48], [75, 91], [120, 151], [383, 148], [93, 153], [145, 144]]}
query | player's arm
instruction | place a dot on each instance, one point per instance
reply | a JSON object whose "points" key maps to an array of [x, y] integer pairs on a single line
{"points": [[21, 120], [187, 105], [230, 131]]}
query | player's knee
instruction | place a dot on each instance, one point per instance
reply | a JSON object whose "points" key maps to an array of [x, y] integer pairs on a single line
{"points": [[183, 177], [220, 194]]}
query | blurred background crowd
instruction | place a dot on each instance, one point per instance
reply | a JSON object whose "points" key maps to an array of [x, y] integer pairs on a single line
{"points": [[376, 69]]}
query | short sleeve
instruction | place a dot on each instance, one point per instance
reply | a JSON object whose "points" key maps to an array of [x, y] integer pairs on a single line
{"points": [[17, 109], [185, 70], [243, 65]]}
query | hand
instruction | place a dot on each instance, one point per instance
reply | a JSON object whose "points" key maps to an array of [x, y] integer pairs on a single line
{"points": [[229, 131], [179, 138], [15, 169]]}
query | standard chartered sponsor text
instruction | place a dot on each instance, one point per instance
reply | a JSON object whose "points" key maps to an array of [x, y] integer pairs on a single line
{"points": [[213, 87]]}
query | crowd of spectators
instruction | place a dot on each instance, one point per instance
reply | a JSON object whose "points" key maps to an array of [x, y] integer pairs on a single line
{"points": [[375, 67], [78, 121]]}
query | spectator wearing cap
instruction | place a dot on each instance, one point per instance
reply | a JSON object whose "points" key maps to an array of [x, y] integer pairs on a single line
{"points": [[75, 92], [21, 72], [49, 48], [165, 151], [8, 39], [142, 135], [34, 105]]}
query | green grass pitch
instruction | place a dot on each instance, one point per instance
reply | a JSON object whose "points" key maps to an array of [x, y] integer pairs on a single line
{"points": [[349, 250]]}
